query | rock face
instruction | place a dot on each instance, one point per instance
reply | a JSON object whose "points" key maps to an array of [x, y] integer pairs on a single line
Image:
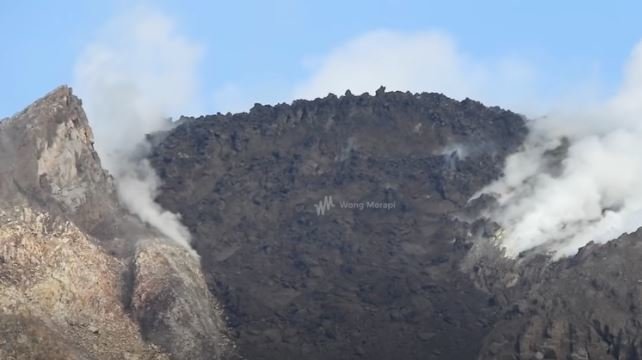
{"points": [[173, 305], [372, 282], [60, 296], [417, 280], [580, 308], [78, 274], [47, 160]]}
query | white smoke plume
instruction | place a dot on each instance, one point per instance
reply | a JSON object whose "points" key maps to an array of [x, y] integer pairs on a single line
{"points": [[592, 192], [136, 73]]}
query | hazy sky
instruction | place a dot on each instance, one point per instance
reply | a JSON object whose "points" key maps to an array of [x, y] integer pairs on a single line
{"points": [[266, 51]]}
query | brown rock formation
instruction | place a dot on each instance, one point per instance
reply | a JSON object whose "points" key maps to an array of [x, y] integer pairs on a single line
{"points": [[71, 258]]}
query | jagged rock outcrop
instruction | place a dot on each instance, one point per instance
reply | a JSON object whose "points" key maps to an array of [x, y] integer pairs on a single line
{"points": [[48, 160], [78, 274]]}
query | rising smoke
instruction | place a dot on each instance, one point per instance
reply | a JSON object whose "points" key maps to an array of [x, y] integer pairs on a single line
{"points": [[131, 78], [578, 178]]}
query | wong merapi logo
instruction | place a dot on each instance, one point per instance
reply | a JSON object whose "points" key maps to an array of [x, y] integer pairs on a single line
{"points": [[327, 203], [324, 205]]}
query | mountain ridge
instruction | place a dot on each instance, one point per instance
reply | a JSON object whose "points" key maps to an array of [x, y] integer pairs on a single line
{"points": [[83, 278]]}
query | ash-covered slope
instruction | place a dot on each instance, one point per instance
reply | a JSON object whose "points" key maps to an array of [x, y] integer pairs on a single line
{"points": [[79, 275], [378, 282]]}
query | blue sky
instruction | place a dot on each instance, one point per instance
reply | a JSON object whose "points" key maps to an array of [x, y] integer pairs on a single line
{"points": [[261, 51]]}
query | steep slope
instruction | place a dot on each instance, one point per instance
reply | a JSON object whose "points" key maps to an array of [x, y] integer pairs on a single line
{"points": [[579, 308], [79, 275], [47, 160], [419, 279], [173, 305], [59, 294], [373, 283]]}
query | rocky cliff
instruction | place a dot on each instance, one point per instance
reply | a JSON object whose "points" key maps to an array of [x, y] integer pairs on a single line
{"points": [[79, 276]]}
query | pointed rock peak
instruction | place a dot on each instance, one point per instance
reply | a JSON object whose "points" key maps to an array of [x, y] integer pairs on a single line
{"points": [[62, 94], [57, 117], [48, 155], [57, 107]]}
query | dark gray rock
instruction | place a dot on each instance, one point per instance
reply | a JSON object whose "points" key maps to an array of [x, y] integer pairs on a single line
{"points": [[373, 283]]}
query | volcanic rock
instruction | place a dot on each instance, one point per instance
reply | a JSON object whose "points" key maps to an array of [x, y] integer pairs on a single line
{"points": [[373, 282]]}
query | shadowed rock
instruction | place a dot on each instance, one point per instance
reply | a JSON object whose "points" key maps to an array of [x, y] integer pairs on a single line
{"points": [[174, 307]]}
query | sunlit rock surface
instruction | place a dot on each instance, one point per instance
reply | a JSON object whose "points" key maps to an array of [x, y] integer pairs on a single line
{"points": [[79, 276]]}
